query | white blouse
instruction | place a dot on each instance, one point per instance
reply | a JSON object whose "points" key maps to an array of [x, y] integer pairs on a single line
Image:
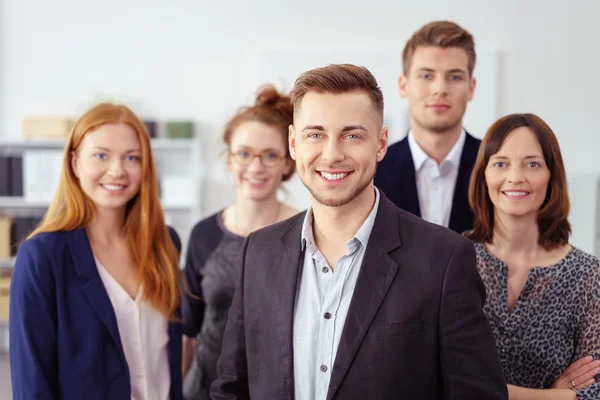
{"points": [[145, 339]]}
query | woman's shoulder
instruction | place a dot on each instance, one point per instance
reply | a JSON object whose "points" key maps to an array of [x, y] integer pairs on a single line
{"points": [[582, 261], [206, 234], [479, 246], [288, 212], [578, 253], [50, 242], [207, 225], [40, 255]]}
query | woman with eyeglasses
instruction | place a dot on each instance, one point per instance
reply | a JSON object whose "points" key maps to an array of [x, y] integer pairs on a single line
{"points": [[258, 159]]}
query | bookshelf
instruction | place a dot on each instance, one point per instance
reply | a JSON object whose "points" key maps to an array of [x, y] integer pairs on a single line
{"points": [[21, 203], [179, 163], [158, 144]]}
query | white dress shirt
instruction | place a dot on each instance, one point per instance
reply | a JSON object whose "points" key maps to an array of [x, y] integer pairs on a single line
{"points": [[436, 183], [322, 304], [145, 339]]}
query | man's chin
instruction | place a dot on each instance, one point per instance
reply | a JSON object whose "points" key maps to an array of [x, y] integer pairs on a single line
{"points": [[332, 202], [441, 126]]}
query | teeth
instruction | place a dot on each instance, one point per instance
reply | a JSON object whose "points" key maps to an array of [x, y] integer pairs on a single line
{"points": [[113, 187], [516, 194], [256, 180], [333, 177]]}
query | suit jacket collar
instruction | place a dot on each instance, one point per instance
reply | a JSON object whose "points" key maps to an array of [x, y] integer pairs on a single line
{"points": [[91, 283], [406, 184], [461, 215], [287, 268], [92, 286], [377, 273], [420, 157]]}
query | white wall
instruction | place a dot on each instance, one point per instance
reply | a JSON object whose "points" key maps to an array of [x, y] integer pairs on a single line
{"points": [[190, 58]]}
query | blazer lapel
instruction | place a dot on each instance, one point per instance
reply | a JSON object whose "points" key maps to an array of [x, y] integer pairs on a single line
{"points": [[92, 285], [285, 272], [175, 332], [461, 215], [377, 273], [407, 185]]}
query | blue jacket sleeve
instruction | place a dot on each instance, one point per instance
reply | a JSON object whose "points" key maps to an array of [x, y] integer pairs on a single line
{"points": [[33, 326]]}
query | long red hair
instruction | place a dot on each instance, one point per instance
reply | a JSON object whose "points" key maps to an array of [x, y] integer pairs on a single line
{"points": [[149, 242]]}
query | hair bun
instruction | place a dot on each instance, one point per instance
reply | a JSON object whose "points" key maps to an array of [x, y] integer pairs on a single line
{"points": [[269, 97]]}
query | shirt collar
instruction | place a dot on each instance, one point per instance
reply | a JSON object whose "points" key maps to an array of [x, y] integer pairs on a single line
{"points": [[363, 234], [420, 157]]}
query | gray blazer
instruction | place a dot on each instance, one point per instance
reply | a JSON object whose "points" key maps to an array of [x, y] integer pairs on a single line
{"points": [[415, 327]]}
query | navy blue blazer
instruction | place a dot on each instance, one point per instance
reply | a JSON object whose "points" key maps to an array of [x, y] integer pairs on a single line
{"points": [[64, 339], [395, 176]]}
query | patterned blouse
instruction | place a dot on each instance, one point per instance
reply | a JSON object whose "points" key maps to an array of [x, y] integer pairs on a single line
{"points": [[555, 321]]}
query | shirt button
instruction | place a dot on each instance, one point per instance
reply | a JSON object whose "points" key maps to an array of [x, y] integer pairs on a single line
{"points": [[327, 315], [323, 368], [325, 270]]}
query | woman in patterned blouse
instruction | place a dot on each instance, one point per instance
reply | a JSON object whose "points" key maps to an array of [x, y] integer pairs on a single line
{"points": [[543, 295]]}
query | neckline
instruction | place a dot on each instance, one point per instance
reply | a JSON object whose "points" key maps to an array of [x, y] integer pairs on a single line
{"points": [[122, 295], [221, 221], [222, 226], [558, 263]]}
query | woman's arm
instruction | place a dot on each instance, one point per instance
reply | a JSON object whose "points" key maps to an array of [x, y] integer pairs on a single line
{"points": [[588, 340], [189, 346], [520, 393], [33, 326]]}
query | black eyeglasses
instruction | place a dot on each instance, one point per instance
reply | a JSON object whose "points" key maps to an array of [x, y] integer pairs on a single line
{"points": [[268, 158]]}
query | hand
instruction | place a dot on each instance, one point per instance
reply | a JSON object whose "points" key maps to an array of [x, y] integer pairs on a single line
{"points": [[581, 373]]}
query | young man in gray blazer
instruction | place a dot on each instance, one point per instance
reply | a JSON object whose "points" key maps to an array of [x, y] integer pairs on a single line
{"points": [[355, 298]]}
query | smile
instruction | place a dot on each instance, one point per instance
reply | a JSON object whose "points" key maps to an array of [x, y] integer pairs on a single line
{"points": [[113, 188], [514, 193], [334, 177]]}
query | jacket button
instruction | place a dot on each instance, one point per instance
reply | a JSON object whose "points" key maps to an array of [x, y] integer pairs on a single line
{"points": [[327, 315], [323, 368], [325, 270]]}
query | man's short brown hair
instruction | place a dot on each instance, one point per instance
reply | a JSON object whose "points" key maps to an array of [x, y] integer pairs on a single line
{"points": [[442, 34], [337, 79]]}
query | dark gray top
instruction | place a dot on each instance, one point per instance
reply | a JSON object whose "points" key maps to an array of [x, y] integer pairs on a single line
{"points": [[209, 271], [555, 321]]}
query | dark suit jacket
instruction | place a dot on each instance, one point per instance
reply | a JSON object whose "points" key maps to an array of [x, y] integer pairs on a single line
{"points": [[395, 176], [64, 339], [415, 328]]}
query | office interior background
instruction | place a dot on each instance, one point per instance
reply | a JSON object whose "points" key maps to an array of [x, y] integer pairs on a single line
{"points": [[198, 61]]}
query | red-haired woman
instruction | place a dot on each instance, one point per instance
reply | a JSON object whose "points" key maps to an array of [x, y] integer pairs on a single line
{"points": [[94, 294]]}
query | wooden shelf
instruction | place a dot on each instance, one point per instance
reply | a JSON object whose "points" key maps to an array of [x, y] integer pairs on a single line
{"points": [[13, 202], [19, 145]]}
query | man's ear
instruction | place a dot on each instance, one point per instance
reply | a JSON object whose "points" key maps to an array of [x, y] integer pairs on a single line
{"points": [[292, 141], [472, 86], [402, 84], [382, 143]]}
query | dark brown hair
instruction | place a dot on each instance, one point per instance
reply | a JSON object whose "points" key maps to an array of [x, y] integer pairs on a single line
{"points": [[553, 224], [337, 79], [271, 108], [444, 34]]}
